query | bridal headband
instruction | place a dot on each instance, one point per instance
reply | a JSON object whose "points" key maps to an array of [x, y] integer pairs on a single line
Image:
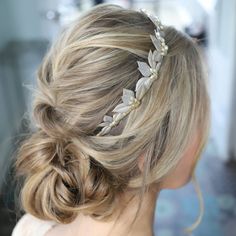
{"points": [[149, 73]]}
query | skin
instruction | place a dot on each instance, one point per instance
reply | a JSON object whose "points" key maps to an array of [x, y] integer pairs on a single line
{"points": [[85, 225]]}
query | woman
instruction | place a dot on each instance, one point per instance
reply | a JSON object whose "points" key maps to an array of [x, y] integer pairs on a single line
{"points": [[95, 165]]}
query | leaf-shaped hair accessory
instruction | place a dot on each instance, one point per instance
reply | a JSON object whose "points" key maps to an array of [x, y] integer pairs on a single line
{"points": [[107, 120], [142, 87], [128, 96], [149, 73], [144, 68]]}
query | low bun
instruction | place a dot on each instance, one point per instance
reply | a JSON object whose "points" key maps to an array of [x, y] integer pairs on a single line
{"points": [[60, 181]]}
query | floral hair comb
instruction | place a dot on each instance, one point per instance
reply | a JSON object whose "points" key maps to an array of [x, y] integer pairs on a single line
{"points": [[149, 73]]}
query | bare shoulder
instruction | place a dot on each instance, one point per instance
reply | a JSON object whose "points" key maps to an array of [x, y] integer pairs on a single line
{"points": [[28, 225], [57, 230]]}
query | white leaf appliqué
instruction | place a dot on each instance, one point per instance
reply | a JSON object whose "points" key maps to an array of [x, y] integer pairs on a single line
{"points": [[117, 116], [105, 130], [158, 66], [128, 96], [151, 60], [107, 120], [121, 108], [144, 68], [157, 56], [142, 86], [156, 42]]}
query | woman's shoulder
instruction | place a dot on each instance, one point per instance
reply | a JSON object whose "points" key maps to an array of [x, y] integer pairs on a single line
{"points": [[29, 225]]}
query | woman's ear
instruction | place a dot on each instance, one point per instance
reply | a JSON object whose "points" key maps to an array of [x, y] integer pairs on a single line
{"points": [[141, 162], [182, 173]]}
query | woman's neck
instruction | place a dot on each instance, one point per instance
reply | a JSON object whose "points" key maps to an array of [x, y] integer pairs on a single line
{"points": [[85, 225]]}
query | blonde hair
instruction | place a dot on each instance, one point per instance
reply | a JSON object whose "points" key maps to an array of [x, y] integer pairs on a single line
{"points": [[67, 169]]}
